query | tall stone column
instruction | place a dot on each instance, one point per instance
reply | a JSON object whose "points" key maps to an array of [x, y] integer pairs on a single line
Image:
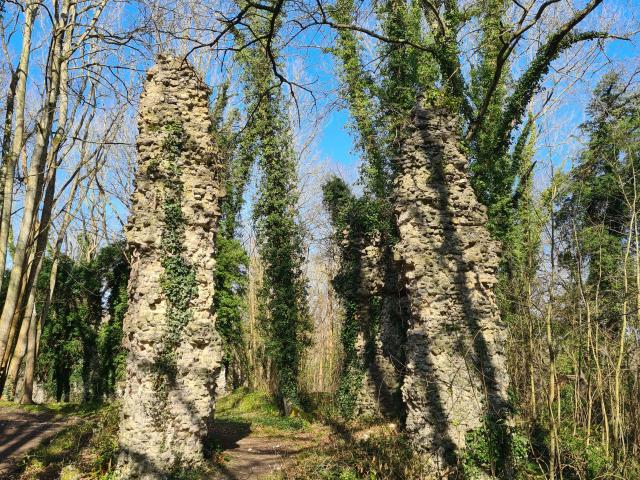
{"points": [[174, 352], [456, 375]]}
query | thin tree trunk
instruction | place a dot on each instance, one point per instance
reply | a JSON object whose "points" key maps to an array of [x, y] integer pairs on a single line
{"points": [[552, 394], [10, 160], [532, 353], [617, 402], [49, 196], [36, 179], [16, 327], [6, 140], [70, 213], [619, 438], [30, 360], [21, 347]]}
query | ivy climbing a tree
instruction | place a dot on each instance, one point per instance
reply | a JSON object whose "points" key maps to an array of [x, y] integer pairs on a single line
{"points": [[232, 259], [283, 303]]}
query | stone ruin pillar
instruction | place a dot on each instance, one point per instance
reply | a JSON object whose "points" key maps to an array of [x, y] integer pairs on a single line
{"points": [[456, 375], [380, 348], [174, 352]]}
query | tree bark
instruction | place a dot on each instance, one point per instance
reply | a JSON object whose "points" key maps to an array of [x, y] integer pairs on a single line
{"points": [[36, 180], [30, 360], [19, 317], [20, 349], [9, 162]]}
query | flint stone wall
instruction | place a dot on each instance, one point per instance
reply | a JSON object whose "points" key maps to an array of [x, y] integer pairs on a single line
{"points": [[382, 353], [456, 372], [164, 422]]}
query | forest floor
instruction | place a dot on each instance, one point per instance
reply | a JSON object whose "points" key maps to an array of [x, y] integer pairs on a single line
{"points": [[252, 441], [22, 429], [57, 441]]}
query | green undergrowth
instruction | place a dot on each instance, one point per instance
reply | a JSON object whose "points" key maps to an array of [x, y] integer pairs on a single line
{"points": [[374, 453], [88, 447], [259, 411]]}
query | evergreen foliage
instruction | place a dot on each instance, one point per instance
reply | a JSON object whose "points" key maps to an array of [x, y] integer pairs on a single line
{"points": [[231, 257], [230, 302], [342, 207], [595, 201], [82, 336], [178, 281], [283, 310]]}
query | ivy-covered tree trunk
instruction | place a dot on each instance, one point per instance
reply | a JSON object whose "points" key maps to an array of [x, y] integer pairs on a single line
{"points": [[283, 311], [456, 379], [284, 314], [174, 350]]}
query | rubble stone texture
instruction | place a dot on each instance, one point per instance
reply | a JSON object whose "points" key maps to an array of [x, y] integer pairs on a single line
{"points": [[165, 416], [383, 353], [456, 373]]}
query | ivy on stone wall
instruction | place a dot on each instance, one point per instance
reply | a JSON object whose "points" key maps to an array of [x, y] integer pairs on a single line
{"points": [[354, 221], [178, 281]]}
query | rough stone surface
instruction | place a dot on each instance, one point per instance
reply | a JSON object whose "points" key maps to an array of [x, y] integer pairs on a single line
{"points": [[383, 352], [165, 418], [456, 372]]}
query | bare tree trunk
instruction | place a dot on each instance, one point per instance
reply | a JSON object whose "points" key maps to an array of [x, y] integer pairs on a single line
{"points": [[30, 360], [70, 210], [553, 392], [9, 162], [36, 179], [16, 327], [57, 93], [616, 411], [6, 149], [21, 346]]}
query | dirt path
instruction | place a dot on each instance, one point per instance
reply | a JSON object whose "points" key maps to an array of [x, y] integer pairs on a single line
{"points": [[247, 453], [253, 456], [22, 431]]}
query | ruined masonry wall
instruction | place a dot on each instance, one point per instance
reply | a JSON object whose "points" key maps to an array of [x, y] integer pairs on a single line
{"points": [[456, 372], [380, 392], [164, 423]]}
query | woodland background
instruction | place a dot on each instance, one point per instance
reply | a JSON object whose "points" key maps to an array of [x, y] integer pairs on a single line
{"points": [[555, 158]]}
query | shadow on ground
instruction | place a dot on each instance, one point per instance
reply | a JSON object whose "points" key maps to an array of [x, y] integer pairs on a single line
{"points": [[227, 433], [22, 431]]}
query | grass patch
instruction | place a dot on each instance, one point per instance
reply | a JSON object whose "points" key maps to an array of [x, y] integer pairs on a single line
{"points": [[375, 453], [258, 410], [58, 409]]}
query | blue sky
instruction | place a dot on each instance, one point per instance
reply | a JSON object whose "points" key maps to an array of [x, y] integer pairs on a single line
{"points": [[336, 143]]}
